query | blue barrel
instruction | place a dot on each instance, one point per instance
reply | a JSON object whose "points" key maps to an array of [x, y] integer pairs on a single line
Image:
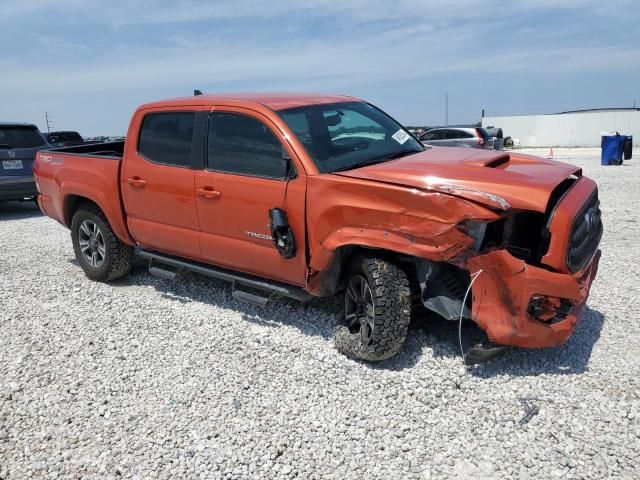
{"points": [[612, 148]]}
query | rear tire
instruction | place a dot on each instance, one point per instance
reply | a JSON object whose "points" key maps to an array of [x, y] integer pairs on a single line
{"points": [[102, 256], [377, 311]]}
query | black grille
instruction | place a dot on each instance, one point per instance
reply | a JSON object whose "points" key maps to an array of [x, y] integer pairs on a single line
{"points": [[586, 232]]}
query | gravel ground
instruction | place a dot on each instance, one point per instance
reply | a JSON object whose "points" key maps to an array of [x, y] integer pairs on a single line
{"points": [[147, 378]]}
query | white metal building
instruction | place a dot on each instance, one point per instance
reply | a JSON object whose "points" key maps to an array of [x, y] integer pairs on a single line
{"points": [[568, 129]]}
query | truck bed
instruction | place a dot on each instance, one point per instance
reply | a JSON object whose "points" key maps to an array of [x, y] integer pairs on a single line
{"points": [[107, 149], [79, 173]]}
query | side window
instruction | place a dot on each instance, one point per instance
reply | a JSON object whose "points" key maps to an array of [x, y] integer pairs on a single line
{"points": [[245, 146], [167, 137], [457, 134], [435, 135], [449, 134]]}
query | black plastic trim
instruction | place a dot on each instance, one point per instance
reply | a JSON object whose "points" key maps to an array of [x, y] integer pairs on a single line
{"points": [[282, 289]]}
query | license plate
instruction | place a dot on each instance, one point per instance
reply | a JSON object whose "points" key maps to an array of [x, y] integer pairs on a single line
{"points": [[12, 164]]}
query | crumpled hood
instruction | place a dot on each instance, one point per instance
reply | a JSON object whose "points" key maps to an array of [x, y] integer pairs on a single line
{"points": [[523, 181]]}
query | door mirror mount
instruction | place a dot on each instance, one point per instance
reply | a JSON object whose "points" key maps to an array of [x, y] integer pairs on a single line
{"points": [[287, 165]]}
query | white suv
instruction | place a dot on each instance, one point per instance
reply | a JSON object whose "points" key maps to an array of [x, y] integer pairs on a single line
{"points": [[458, 137]]}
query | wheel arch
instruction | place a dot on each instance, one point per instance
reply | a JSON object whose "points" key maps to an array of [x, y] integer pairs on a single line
{"points": [[331, 280], [73, 201]]}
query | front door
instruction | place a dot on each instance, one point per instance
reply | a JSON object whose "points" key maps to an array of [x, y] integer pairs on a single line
{"points": [[158, 183], [245, 176]]}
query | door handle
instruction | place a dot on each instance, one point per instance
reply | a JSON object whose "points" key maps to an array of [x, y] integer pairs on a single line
{"points": [[208, 192], [136, 181]]}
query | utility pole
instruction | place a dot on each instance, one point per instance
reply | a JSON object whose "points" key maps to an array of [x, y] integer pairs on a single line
{"points": [[446, 109], [48, 120]]}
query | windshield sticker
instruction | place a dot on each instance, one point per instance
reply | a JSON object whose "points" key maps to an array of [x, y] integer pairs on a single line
{"points": [[400, 136]]}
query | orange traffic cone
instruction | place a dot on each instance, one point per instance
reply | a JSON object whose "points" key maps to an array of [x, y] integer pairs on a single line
{"points": [[550, 156]]}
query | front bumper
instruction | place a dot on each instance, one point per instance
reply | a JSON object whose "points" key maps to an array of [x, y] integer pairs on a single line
{"points": [[501, 295], [17, 188]]}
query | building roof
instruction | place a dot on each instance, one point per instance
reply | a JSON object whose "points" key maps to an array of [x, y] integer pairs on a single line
{"points": [[610, 109]]}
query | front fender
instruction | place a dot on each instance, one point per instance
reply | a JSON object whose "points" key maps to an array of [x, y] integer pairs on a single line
{"points": [[350, 212], [438, 245]]}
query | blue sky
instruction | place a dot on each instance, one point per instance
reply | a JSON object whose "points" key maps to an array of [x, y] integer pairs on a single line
{"points": [[90, 63]]}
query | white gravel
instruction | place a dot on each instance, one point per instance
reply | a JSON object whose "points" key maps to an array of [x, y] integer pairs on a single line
{"points": [[147, 378]]}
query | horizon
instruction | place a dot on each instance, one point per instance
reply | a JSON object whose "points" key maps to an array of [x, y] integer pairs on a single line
{"points": [[89, 64]]}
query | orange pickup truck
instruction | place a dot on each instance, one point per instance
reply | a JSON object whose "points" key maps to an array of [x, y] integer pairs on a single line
{"points": [[301, 195]]}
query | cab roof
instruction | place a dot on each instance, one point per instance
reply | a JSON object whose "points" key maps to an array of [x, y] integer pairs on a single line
{"points": [[274, 101]]}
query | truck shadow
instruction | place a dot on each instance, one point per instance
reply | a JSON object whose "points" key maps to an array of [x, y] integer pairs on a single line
{"points": [[316, 317], [428, 334], [18, 210], [569, 359], [434, 333]]}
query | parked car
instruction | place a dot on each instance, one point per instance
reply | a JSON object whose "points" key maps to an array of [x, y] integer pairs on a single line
{"points": [[315, 195], [19, 143], [471, 137], [64, 139]]}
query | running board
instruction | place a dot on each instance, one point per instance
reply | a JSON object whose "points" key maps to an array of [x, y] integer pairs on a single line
{"points": [[250, 298], [162, 273], [274, 288]]}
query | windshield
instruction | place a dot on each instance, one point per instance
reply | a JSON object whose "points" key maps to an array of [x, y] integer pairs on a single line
{"points": [[20, 137], [342, 136]]}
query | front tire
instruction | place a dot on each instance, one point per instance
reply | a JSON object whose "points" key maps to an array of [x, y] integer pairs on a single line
{"points": [[377, 311], [102, 256]]}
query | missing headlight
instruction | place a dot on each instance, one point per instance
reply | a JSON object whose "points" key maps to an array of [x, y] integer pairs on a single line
{"points": [[474, 229]]}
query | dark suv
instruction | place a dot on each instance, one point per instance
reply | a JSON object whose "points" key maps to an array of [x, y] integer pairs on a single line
{"points": [[470, 137], [64, 139], [19, 143]]}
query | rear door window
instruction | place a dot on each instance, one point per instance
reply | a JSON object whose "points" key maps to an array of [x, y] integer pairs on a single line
{"points": [[245, 146], [435, 135], [451, 134], [20, 137], [462, 134], [167, 138]]}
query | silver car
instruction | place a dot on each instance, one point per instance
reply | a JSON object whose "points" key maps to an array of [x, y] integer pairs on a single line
{"points": [[471, 137]]}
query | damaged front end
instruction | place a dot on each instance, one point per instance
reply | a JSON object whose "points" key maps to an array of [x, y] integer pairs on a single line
{"points": [[534, 270], [525, 306]]}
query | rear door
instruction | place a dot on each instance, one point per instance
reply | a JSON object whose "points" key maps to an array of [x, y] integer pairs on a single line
{"points": [[18, 147], [461, 138], [157, 181], [245, 177]]}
